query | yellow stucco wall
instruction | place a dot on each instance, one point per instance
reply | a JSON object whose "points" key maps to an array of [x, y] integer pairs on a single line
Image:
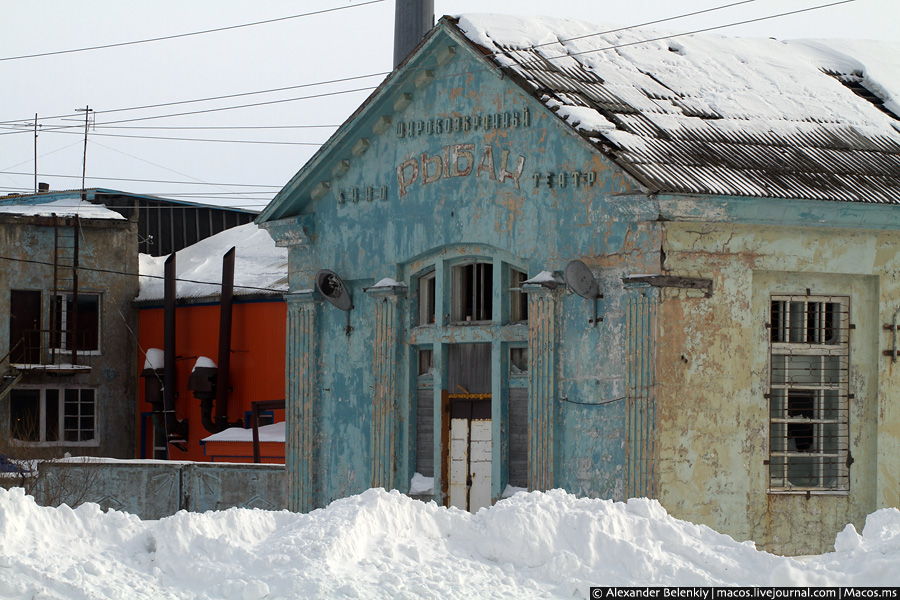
{"points": [[713, 374]]}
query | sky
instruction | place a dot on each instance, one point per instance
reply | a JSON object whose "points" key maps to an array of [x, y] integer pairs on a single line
{"points": [[257, 149], [385, 545]]}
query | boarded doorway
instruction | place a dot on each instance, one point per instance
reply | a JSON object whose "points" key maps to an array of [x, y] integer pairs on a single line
{"points": [[467, 436]]}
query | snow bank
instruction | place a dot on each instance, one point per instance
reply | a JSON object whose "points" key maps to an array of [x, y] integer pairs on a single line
{"points": [[259, 266], [385, 545]]}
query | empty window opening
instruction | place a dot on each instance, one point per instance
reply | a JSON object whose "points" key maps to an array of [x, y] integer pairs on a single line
{"points": [[426, 299], [24, 326], [472, 292], [518, 301], [518, 361], [77, 325], [426, 361], [809, 393]]}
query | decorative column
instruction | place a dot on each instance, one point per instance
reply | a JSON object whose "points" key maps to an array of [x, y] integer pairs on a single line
{"points": [[301, 406], [640, 377], [544, 309], [387, 295]]}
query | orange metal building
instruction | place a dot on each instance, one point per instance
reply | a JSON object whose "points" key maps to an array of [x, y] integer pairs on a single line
{"points": [[256, 373]]}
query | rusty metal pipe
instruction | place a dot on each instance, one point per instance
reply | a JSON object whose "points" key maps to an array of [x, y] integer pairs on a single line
{"points": [[174, 427]]}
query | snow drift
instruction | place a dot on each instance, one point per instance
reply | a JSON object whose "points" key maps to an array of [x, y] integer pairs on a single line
{"points": [[385, 545]]}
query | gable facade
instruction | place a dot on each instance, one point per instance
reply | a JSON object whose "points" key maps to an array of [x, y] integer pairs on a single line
{"points": [[525, 311]]}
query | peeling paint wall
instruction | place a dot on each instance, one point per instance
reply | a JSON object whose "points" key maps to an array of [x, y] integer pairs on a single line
{"points": [[713, 376], [469, 168]]}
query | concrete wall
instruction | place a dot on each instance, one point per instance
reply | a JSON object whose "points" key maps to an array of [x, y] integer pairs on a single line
{"points": [[107, 260], [713, 376], [157, 489]]}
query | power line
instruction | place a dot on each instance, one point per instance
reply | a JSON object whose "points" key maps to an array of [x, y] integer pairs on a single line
{"points": [[705, 29], [131, 180], [655, 22], [181, 139], [193, 33], [127, 274], [210, 99]]}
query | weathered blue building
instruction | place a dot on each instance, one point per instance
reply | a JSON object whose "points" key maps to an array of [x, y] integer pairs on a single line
{"points": [[542, 257]]}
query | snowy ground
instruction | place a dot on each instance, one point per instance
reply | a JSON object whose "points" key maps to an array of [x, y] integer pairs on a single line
{"points": [[386, 545]]}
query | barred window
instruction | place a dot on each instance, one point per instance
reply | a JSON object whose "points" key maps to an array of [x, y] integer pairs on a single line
{"points": [[809, 356]]}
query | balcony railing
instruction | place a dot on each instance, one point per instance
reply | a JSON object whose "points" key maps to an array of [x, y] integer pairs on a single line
{"points": [[54, 350]]}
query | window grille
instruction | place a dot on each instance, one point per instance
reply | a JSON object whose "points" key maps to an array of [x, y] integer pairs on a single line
{"points": [[77, 329], [472, 292], [809, 361]]}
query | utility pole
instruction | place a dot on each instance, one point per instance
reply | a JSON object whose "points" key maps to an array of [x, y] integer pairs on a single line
{"points": [[87, 111], [35, 152]]}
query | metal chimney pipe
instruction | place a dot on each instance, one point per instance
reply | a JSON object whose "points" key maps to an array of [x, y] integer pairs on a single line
{"points": [[225, 306], [412, 20]]}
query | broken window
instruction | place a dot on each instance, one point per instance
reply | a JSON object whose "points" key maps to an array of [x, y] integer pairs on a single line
{"points": [[426, 299], [53, 415], [518, 301], [472, 292], [426, 361], [809, 393], [77, 323], [518, 361]]}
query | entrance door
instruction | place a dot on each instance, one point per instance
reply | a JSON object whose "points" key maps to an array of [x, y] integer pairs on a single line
{"points": [[468, 449], [470, 453], [24, 326]]}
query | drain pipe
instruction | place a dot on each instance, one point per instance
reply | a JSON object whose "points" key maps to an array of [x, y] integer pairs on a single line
{"points": [[225, 310]]}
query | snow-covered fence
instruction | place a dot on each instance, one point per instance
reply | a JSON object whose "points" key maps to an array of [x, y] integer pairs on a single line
{"points": [[157, 489]]}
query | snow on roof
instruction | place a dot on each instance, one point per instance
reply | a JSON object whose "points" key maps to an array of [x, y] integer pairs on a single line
{"points": [[710, 114], [66, 207], [260, 267], [267, 433]]}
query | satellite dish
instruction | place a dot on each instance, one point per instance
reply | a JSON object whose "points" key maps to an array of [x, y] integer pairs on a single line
{"points": [[332, 287], [581, 281]]}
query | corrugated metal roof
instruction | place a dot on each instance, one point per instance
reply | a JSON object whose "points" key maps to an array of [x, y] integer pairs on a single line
{"points": [[675, 140]]}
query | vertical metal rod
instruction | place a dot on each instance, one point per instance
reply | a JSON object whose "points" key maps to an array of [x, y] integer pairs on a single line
{"points": [[225, 310], [87, 112], [35, 153], [73, 327]]}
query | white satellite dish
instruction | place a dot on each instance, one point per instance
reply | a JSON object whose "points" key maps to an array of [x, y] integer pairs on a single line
{"points": [[332, 287], [580, 280]]}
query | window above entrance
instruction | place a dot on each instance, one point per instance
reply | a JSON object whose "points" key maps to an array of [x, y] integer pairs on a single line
{"points": [[469, 291]]}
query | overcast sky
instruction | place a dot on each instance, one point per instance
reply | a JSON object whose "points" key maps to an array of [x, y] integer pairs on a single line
{"points": [[352, 42]]}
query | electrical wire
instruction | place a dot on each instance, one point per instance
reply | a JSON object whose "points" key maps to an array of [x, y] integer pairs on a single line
{"points": [[182, 139], [381, 74], [131, 180], [127, 274], [808, 9], [193, 33]]}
